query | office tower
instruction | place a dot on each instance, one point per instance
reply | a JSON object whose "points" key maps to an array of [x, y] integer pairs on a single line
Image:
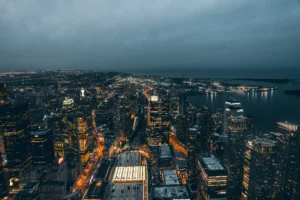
{"points": [[116, 116], [234, 119], [79, 138], [204, 121], [52, 190], [2, 181], [220, 120], [174, 106], [164, 158], [68, 106], [57, 171], [260, 167], [288, 138], [159, 111], [182, 104], [192, 145], [191, 115], [15, 124], [235, 128], [59, 147], [181, 129], [3, 94], [212, 178], [42, 146]]}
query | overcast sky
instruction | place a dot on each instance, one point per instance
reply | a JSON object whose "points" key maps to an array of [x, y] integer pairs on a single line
{"points": [[145, 33]]}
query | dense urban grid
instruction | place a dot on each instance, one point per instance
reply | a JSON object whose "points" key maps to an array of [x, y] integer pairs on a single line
{"points": [[83, 134]]}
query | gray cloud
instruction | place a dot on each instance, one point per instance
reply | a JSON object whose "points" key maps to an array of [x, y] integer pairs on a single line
{"points": [[104, 34]]}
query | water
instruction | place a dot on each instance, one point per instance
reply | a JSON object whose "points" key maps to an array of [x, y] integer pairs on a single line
{"points": [[266, 108]]}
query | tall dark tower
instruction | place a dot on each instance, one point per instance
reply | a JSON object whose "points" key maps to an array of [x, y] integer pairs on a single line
{"points": [[204, 121], [78, 138], [42, 147], [15, 125], [3, 94], [181, 129], [288, 138], [235, 127], [260, 169], [193, 133], [2, 181]]}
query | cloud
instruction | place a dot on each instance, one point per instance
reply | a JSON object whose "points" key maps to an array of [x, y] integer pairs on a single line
{"points": [[124, 34]]}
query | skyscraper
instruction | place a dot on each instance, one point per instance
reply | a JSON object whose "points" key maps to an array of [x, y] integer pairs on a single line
{"points": [[2, 181], [288, 138], [204, 121], [181, 129], [14, 125], [192, 145], [3, 94], [42, 146], [212, 178], [79, 138], [159, 111], [235, 127], [260, 167]]}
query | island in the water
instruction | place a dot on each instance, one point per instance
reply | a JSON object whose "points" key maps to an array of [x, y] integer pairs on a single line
{"points": [[276, 81]]}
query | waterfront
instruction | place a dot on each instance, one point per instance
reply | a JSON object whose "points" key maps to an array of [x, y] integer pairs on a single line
{"points": [[266, 108]]}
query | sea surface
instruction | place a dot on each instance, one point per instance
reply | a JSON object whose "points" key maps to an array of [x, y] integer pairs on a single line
{"points": [[266, 108]]}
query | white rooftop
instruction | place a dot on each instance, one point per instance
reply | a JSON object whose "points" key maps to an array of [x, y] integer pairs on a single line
{"points": [[170, 177], [129, 174], [212, 163]]}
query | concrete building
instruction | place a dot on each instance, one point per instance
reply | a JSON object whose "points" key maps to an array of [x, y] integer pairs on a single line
{"points": [[260, 166], [212, 178], [42, 146]]}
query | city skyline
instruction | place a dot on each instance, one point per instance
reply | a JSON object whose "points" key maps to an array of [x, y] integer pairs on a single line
{"points": [[150, 100], [90, 135]]}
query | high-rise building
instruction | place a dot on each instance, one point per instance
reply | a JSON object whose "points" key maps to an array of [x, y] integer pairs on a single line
{"points": [[260, 167], [235, 128], [234, 119], [159, 111], [212, 178], [3, 94], [181, 129], [42, 146], [204, 121], [193, 132], [288, 138], [14, 125], [79, 138], [182, 104], [2, 181], [59, 147]]}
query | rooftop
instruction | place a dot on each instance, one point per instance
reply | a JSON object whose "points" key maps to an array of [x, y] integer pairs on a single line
{"points": [[171, 192], [170, 177], [212, 163], [129, 174], [41, 132], [103, 169], [96, 190], [180, 160], [125, 191], [289, 126], [129, 159], [264, 141], [165, 152]]}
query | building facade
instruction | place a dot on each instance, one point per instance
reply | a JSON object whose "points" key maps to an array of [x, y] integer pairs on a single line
{"points": [[260, 167]]}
